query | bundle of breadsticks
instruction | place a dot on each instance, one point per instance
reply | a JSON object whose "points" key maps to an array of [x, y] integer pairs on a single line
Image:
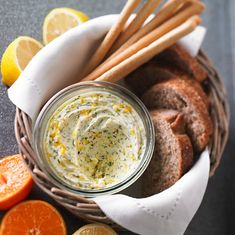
{"points": [[126, 47]]}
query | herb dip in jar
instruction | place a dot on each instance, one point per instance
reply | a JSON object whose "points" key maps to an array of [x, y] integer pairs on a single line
{"points": [[94, 138]]}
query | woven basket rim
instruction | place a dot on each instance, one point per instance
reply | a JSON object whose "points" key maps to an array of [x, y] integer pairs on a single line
{"points": [[87, 209]]}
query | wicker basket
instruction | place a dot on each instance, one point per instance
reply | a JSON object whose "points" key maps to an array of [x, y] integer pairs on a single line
{"points": [[87, 209]]}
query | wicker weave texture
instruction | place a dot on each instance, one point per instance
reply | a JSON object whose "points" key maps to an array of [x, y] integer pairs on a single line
{"points": [[87, 209]]}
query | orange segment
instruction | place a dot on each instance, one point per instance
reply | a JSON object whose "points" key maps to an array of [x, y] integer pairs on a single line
{"points": [[33, 218], [15, 181], [95, 229]]}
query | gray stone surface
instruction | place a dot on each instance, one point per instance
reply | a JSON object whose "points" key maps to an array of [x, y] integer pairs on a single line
{"points": [[24, 17]]}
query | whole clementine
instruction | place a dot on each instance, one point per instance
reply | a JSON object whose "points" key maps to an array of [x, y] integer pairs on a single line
{"points": [[15, 181], [33, 217]]}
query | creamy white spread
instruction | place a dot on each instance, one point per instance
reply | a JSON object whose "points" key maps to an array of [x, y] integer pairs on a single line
{"points": [[94, 140]]}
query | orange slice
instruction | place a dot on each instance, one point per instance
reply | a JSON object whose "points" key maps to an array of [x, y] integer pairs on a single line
{"points": [[95, 229], [15, 181], [33, 218]]}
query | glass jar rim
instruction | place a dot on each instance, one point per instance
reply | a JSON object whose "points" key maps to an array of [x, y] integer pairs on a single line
{"points": [[120, 91]]}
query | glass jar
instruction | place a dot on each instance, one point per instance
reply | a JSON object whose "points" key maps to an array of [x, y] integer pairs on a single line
{"points": [[42, 127]]}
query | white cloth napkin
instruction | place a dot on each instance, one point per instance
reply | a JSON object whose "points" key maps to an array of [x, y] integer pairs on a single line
{"points": [[166, 213], [58, 65]]}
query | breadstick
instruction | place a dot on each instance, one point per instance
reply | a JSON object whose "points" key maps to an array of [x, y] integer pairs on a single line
{"points": [[166, 12], [112, 35], [130, 64], [192, 9], [186, 3], [148, 8]]}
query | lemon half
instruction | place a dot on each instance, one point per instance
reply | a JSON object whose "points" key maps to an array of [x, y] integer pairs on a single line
{"points": [[95, 229], [59, 21], [17, 56]]}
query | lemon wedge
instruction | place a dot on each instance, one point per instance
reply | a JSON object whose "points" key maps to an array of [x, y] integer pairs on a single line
{"points": [[59, 21], [17, 56], [95, 229]]}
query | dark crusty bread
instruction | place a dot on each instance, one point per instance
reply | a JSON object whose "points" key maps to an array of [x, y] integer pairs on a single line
{"points": [[174, 61], [151, 73], [146, 76], [173, 154], [183, 95], [179, 59]]}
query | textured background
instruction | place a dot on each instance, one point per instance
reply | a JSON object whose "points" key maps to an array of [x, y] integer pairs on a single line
{"points": [[216, 215]]}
